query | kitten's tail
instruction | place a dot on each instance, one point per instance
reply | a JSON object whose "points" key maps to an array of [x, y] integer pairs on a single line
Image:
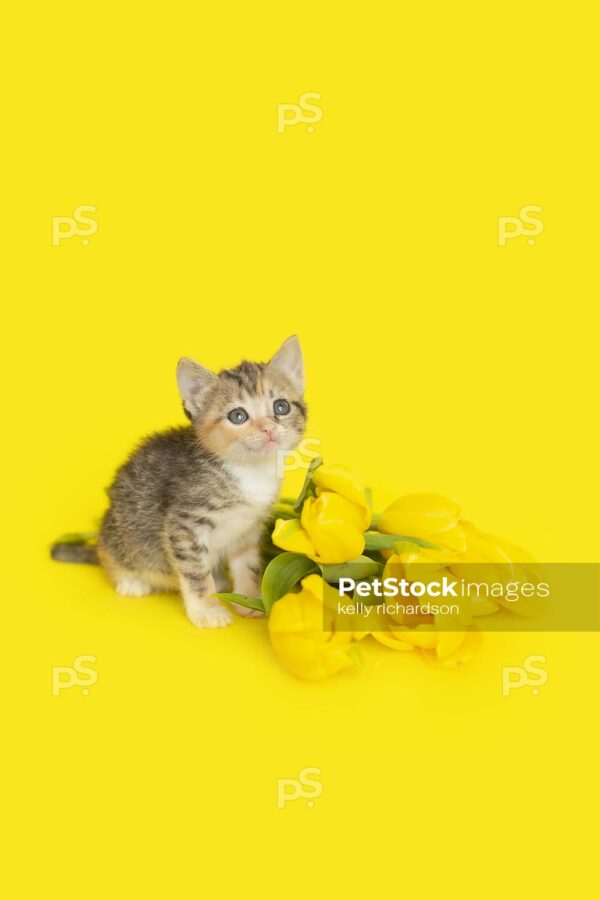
{"points": [[74, 549]]}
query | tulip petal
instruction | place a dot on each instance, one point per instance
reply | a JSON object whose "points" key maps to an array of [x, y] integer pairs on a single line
{"points": [[448, 642], [309, 659], [343, 481], [420, 515], [471, 644], [386, 638], [334, 526], [299, 640], [422, 636], [289, 535]]}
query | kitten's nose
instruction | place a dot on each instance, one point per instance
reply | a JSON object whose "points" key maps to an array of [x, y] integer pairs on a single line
{"points": [[268, 428]]}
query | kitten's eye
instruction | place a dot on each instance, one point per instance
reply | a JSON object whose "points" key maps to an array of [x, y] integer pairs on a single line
{"points": [[281, 407], [238, 416]]}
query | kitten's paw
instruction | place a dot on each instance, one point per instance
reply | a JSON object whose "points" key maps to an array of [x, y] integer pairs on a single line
{"points": [[204, 615], [248, 613], [133, 587]]}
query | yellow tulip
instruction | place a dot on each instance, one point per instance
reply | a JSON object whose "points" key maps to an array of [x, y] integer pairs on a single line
{"points": [[330, 530], [482, 548], [524, 564], [344, 482], [303, 645], [430, 517], [427, 566], [489, 559], [423, 563], [353, 623], [334, 526], [446, 650], [395, 568], [392, 640], [403, 638], [290, 535]]}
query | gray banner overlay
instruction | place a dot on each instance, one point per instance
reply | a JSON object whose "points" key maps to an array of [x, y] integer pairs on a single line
{"points": [[487, 596]]}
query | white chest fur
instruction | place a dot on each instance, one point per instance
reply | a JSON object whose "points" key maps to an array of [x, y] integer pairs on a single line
{"points": [[259, 483], [259, 486]]}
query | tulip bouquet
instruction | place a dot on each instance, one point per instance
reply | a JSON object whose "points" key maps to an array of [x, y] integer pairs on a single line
{"points": [[330, 531]]}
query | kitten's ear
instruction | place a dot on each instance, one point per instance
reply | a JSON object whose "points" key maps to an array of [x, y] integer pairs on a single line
{"points": [[289, 359], [193, 382]]}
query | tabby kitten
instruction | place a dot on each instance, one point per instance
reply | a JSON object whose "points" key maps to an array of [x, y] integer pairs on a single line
{"points": [[193, 497]]}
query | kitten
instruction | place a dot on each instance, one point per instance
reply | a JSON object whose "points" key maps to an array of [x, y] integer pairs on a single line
{"points": [[195, 496]]}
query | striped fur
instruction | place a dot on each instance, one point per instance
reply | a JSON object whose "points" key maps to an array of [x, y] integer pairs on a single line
{"points": [[191, 498]]}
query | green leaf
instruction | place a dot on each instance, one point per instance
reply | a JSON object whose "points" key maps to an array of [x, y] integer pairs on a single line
{"points": [[358, 568], [376, 556], [307, 486], [376, 541], [282, 574], [283, 510], [243, 600]]}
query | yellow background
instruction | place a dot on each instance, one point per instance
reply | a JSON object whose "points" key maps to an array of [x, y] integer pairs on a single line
{"points": [[436, 360]]}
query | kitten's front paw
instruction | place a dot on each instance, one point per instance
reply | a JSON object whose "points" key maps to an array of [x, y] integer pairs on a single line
{"points": [[205, 615], [248, 613]]}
